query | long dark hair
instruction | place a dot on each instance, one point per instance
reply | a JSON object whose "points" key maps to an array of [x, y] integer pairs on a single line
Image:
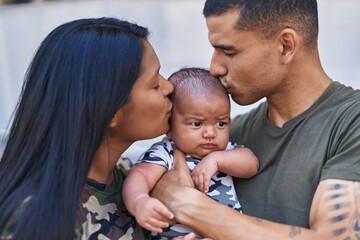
{"points": [[81, 74]]}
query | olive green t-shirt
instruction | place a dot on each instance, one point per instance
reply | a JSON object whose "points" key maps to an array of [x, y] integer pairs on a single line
{"points": [[321, 143]]}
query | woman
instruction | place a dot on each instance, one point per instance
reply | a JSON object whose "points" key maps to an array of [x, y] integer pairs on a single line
{"points": [[92, 89]]}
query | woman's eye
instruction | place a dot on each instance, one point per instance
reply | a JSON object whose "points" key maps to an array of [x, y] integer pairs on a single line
{"points": [[220, 124], [157, 87], [196, 124]]}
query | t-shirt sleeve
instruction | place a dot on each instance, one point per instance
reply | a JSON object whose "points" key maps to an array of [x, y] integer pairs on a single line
{"points": [[160, 153], [344, 160]]}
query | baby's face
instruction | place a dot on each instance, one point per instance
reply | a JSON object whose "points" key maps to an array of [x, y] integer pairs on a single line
{"points": [[200, 125]]}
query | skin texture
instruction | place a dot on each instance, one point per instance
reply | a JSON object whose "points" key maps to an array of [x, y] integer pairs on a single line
{"points": [[292, 79]]}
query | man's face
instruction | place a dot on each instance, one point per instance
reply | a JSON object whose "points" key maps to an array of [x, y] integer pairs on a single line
{"points": [[247, 64]]}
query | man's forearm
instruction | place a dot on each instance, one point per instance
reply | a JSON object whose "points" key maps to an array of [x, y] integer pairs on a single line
{"points": [[216, 221], [334, 211]]}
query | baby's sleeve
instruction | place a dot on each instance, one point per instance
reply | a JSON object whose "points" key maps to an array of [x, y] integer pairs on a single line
{"points": [[159, 153]]}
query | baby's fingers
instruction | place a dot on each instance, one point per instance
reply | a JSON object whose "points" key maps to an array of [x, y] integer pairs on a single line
{"points": [[155, 225], [206, 183], [164, 212], [199, 181]]}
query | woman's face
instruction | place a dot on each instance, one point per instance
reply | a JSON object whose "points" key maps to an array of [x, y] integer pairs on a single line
{"points": [[147, 113]]}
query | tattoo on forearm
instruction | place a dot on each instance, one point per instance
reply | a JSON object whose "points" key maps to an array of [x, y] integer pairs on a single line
{"points": [[338, 206], [339, 218], [354, 225], [294, 231], [347, 222], [339, 231]]}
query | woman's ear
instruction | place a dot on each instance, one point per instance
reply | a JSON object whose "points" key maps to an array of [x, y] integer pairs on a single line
{"points": [[290, 41], [168, 136], [116, 119]]}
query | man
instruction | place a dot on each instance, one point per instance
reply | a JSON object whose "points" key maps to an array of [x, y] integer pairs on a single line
{"points": [[306, 135]]}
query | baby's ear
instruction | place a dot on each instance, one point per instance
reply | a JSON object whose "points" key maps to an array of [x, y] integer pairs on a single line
{"points": [[168, 136]]}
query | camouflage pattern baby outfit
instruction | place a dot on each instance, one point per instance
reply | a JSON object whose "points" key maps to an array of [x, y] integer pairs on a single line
{"points": [[221, 186]]}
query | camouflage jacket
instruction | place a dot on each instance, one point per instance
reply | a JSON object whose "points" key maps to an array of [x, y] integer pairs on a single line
{"points": [[102, 213]]}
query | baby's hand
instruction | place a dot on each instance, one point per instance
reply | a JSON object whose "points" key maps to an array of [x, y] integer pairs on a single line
{"points": [[152, 214], [203, 172]]}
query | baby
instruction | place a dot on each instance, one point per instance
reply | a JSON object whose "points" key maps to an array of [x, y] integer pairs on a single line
{"points": [[200, 125]]}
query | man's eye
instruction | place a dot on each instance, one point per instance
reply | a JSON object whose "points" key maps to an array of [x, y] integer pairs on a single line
{"points": [[221, 124], [157, 87], [229, 54], [196, 124]]}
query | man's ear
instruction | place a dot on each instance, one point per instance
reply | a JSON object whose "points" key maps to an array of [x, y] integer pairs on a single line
{"points": [[289, 44]]}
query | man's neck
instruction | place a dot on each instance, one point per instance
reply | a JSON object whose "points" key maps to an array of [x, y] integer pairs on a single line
{"points": [[295, 100]]}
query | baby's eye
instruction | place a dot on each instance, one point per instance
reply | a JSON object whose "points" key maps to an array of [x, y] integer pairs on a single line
{"points": [[221, 124], [196, 124]]}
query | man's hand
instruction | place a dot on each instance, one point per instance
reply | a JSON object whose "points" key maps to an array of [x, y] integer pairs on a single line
{"points": [[170, 184], [176, 183], [179, 173]]}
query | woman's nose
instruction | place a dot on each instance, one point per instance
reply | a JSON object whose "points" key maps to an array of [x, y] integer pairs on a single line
{"points": [[167, 87]]}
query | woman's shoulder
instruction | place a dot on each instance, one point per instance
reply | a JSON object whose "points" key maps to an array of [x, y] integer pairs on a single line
{"points": [[8, 230], [124, 165], [101, 212]]}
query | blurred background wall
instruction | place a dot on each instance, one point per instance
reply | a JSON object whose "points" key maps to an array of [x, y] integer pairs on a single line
{"points": [[179, 36]]}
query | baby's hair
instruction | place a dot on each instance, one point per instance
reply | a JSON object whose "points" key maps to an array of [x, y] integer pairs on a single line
{"points": [[194, 81]]}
